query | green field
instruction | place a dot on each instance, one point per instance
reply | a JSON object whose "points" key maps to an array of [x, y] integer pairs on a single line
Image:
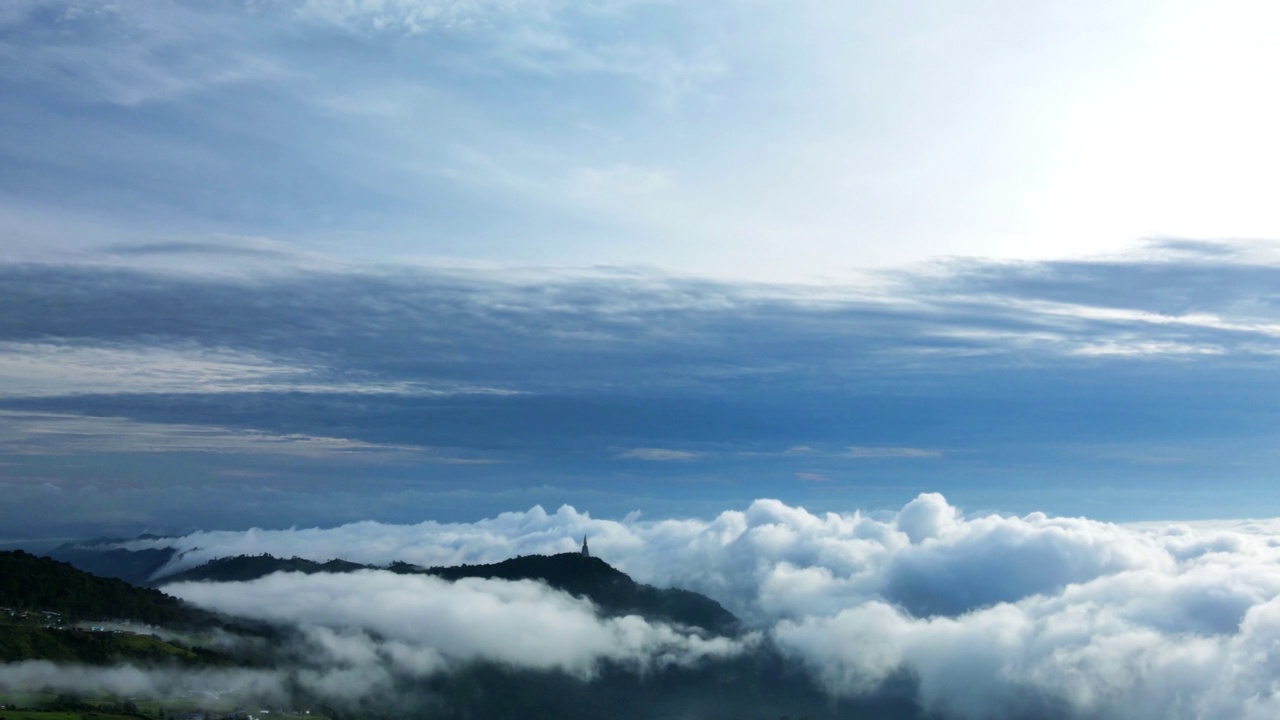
{"points": [[105, 708]]}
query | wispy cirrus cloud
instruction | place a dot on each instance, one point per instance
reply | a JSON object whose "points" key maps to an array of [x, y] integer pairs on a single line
{"points": [[863, 452], [92, 52], [33, 370], [37, 433], [658, 455]]}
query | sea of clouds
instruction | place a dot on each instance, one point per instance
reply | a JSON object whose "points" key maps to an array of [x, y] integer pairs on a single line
{"points": [[990, 615]]}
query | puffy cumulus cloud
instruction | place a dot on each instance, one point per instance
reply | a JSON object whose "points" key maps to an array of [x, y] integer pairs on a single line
{"points": [[958, 566], [419, 625], [987, 616], [1134, 645]]}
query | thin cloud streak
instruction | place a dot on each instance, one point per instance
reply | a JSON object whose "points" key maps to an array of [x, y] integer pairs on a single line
{"points": [[855, 451], [27, 433], [658, 455]]}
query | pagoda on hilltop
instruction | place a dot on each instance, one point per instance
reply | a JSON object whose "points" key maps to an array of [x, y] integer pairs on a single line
{"points": [[585, 551]]}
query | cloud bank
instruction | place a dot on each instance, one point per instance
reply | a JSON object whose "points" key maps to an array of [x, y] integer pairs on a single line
{"points": [[991, 616], [422, 625]]}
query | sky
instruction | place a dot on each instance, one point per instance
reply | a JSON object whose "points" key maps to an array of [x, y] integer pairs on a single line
{"points": [[274, 264]]}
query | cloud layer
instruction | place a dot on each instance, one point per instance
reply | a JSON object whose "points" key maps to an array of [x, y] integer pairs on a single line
{"points": [[422, 625], [991, 615]]}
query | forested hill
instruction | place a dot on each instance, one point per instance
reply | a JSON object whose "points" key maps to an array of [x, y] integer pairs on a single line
{"points": [[28, 582], [613, 591], [251, 567], [609, 588], [102, 557]]}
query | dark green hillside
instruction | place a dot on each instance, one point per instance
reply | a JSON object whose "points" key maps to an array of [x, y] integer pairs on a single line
{"points": [[612, 590], [28, 582], [251, 567]]}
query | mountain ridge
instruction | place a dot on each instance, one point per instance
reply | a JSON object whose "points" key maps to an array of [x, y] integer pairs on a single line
{"points": [[101, 557], [612, 591], [46, 607]]}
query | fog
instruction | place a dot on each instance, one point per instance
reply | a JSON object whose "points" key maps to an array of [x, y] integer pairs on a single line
{"points": [[420, 625]]}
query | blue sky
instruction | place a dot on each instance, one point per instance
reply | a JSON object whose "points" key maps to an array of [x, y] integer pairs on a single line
{"points": [[276, 263]]}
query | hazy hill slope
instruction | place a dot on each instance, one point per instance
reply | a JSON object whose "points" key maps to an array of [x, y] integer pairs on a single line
{"points": [[31, 586], [100, 558], [251, 567], [611, 589]]}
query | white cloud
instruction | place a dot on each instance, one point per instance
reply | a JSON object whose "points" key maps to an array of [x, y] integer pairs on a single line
{"points": [[859, 451], [40, 433]]}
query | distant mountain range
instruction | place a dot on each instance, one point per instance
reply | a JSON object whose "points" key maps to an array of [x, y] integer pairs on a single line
{"points": [[103, 558]]}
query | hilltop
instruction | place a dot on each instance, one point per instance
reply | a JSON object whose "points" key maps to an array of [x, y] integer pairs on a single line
{"points": [[612, 590]]}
